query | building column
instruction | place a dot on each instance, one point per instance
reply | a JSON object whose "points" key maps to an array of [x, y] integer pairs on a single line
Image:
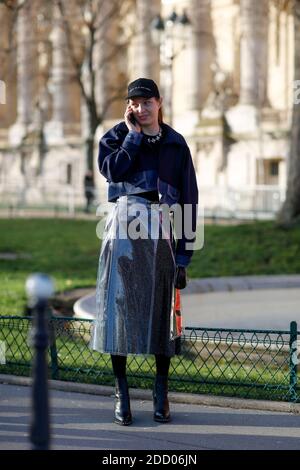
{"points": [[192, 88], [200, 53], [147, 54], [60, 124], [143, 11], [253, 53], [26, 74], [245, 117]]}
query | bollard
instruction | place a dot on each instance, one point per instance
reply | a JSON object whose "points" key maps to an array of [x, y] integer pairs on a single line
{"points": [[39, 288]]}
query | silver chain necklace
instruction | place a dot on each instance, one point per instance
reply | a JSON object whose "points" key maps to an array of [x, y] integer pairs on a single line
{"points": [[155, 138]]}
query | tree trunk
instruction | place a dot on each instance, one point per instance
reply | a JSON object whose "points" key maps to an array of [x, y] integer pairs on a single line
{"points": [[93, 121], [290, 211]]}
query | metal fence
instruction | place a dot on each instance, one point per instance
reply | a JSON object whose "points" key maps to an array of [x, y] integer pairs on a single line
{"points": [[230, 362], [54, 199], [35, 196], [261, 202]]}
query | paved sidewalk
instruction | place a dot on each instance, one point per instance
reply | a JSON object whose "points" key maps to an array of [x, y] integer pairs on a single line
{"points": [[82, 421], [251, 302], [261, 309]]}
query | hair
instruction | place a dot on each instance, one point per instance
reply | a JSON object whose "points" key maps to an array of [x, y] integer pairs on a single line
{"points": [[160, 116]]}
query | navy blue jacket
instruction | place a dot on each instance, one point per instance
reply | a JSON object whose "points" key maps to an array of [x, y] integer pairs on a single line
{"points": [[122, 164]]}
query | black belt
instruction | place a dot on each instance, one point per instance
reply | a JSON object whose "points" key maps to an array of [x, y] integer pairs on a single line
{"points": [[150, 195]]}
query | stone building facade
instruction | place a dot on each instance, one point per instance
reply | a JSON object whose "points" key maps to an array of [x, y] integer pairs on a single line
{"points": [[226, 79]]}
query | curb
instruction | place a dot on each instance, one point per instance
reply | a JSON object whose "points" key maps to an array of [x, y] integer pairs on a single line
{"points": [[241, 283], [175, 397]]}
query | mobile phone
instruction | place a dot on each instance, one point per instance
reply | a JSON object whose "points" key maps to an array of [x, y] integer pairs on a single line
{"points": [[132, 119]]}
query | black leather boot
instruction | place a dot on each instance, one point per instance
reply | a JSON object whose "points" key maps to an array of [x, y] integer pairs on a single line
{"points": [[122, 403], [160, 400]]}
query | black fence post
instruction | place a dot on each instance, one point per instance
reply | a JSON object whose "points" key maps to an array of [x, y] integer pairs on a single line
{"points": [[53, 349], [293, 361], [39, 289]]}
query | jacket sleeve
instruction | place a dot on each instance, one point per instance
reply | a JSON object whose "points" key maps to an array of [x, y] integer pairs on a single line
{"points": [[189, 205], [116, 154]]}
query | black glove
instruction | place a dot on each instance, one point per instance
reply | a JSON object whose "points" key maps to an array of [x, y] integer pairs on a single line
{"points": [[180, 277]]}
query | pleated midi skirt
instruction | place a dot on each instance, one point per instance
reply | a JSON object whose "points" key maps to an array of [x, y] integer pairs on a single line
{"points": [[135, 282]]}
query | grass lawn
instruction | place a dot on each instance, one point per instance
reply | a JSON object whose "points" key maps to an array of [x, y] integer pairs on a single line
{"points": [[69, 250]]}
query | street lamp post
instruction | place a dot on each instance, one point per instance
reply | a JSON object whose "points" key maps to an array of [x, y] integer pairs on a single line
{"points": [[165, 33]]}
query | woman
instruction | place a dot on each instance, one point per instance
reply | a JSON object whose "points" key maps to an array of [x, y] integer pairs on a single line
{"points": [[148, 166]]}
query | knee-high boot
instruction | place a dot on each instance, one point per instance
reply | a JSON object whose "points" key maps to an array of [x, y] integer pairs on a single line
{"points": [[122, 402], [160, 399]]}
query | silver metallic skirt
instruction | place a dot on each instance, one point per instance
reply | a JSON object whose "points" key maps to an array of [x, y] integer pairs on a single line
{"points": [[135, 282]]}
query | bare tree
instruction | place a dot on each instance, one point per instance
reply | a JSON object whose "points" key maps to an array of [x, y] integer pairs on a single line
{"points": [[91, 48], [290, 211], [97, 53], [10, 4]]}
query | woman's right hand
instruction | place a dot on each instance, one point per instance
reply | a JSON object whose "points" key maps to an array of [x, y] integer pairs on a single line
{"points": [[132, 127]]}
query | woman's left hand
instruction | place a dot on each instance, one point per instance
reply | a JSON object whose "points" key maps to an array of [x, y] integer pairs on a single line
{"points": [[180, 277]]}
